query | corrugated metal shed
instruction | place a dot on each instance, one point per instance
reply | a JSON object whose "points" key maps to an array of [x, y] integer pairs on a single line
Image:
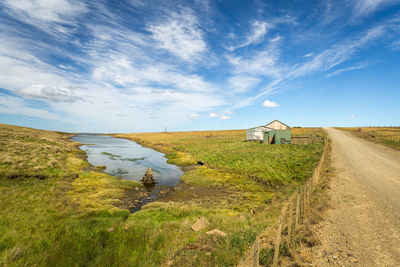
{"points": [[275, 132]]}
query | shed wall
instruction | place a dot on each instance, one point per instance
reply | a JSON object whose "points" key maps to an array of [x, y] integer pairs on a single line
{"points": [[254, 134], [283, 136], [277, 125]]}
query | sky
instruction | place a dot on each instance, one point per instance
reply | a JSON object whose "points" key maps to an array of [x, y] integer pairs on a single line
{"points": [[140, 66]]}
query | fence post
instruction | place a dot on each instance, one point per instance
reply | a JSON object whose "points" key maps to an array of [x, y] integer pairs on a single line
{"points": [[296, 223], [290, 222], [278, 237], [303, 203], [256, 255]]}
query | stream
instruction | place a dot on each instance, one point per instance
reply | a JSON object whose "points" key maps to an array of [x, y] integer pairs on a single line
{"points": [[128, 160]]}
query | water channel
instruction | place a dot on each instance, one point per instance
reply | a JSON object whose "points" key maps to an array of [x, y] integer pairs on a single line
{"points": [[128, 160]]}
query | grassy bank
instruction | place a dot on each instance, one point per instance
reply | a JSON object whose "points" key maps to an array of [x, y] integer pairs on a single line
{"points": [[389, 136], [52, 213], [56, 211], [247, 182]]}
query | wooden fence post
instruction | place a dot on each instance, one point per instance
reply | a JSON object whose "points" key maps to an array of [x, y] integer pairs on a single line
{"points": [[296, 223], [278, 237], [290, 222], [303, 202], [256, 255]]}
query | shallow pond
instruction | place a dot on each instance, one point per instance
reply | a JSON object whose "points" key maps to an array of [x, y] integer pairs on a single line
{"points": [[127, 159]]}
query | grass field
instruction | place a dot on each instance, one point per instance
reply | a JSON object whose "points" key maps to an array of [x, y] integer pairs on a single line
{"points": [[255, 176], [389, 136], [57, 211]]}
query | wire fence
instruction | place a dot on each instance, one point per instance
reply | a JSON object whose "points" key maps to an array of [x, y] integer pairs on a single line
{"points": [[307, 139], [293, 213], [385, 135]]}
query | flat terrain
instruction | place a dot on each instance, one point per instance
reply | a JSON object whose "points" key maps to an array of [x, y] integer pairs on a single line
{"points": [[363, 226], [239, 186], [57, 210]]}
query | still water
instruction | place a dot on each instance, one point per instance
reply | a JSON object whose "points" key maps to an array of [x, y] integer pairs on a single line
{"points": [[127, 159]]}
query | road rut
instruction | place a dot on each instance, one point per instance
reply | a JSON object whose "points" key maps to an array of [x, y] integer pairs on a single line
{"points": [[363, 226]]}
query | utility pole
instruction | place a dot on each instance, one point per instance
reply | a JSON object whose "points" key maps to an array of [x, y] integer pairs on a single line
{"points": [[165, 129]]}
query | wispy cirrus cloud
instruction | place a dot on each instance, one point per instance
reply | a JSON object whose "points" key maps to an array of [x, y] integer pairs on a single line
{"points": [[337, 54], [258, 31], [180, 35], [339, 71], [54, 17], [283, 74], [365, 7], [154, 63]]}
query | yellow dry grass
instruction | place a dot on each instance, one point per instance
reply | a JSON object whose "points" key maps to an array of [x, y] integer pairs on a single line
{"points": [[389, 136]]}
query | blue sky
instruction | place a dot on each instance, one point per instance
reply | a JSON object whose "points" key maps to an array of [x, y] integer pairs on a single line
{"points": [[130, 66]]}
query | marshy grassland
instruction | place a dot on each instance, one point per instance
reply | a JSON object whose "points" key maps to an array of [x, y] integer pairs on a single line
{"points": [[389, 136], [56, 210], [238, 186]]}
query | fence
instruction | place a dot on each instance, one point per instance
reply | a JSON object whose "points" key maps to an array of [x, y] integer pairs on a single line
{"points": [[306, 139], [293, 213], [386, 135]]}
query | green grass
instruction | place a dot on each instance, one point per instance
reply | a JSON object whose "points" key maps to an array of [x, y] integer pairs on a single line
{"points": [[258, 176], [54, 213]]}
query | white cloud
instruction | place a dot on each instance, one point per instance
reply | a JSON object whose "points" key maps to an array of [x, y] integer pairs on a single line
{"points": [[125, 69], [308, 55], [142, 96], [213, 115], [270, 104], [258, 31], [15, 106], [180, 35], [225, 117], [353, 117], [193, 116], [47, 15], [122, 72], [52, 93]]}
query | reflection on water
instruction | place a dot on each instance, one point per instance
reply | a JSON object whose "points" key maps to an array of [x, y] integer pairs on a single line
{"points": [[127, 159]]}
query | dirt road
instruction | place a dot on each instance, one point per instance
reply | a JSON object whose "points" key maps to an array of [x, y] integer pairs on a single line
{"points": [[363, 226]]}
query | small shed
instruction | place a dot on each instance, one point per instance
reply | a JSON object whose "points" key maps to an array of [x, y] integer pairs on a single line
{"points": [[256, 133], [275, 132]]}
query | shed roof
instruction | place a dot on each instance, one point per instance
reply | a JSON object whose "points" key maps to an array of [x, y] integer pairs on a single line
{"points": [[263, 126]]}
